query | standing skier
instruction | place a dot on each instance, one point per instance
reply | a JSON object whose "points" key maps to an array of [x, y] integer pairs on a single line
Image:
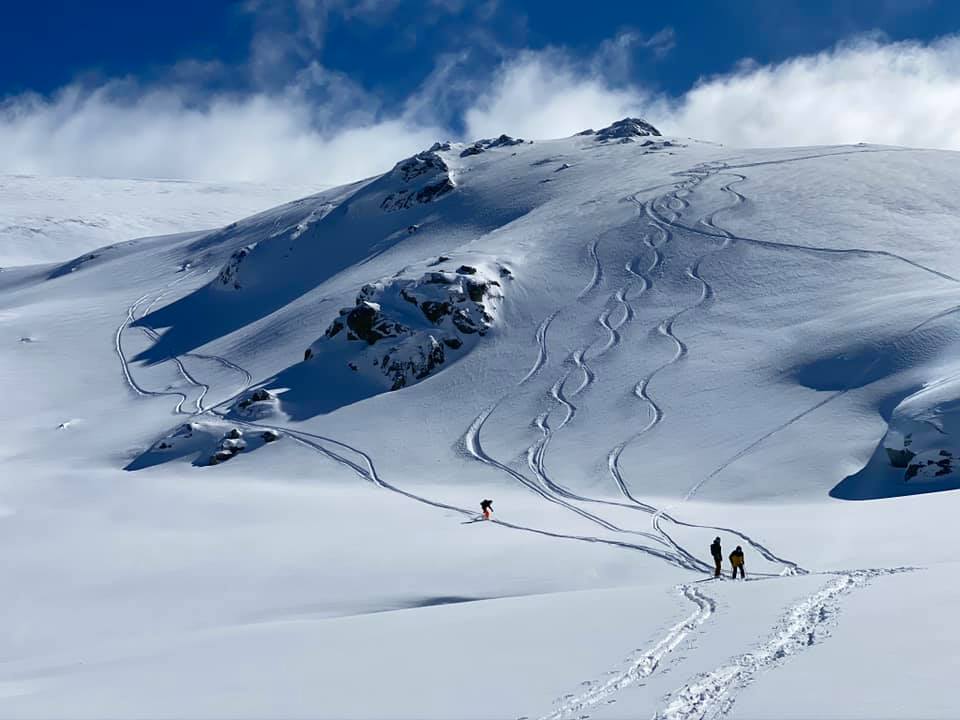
{"points": [[717, 556], [487, 507], [736, 560]]}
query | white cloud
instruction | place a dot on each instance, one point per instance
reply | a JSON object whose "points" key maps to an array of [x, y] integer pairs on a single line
{"points": [[159, 134], [894, 93], [324, 128], [544, 95]]}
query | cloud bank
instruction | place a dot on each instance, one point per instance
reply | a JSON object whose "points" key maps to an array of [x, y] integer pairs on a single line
{"points": [[322, 128]]}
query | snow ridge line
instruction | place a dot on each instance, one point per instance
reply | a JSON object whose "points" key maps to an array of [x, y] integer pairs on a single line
{"points": [[711, 695], [644, 665]]}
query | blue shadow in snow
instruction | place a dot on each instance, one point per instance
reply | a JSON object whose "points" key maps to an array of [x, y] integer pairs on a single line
{"points": [[878, 480], [321, 385]]}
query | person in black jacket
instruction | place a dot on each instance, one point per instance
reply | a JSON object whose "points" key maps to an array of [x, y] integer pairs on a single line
{"points": [[717, 556], [487, 507]]}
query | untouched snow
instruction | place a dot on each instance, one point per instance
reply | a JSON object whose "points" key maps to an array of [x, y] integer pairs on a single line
{"points": [[215, 506], [46, 219]]}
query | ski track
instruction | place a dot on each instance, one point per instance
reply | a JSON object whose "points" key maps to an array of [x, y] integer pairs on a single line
{"points": [[644, 664], [708, 695], [125, 363], [546, 489], [597, 277], [150, 333], [541, 340], [665, 329], [711, 695], [710, 223]]}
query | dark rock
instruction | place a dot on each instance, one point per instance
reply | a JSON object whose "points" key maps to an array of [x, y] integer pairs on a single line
{"points": [[434, 311], [912, 471], [367, 324], [423, 362], [439, 261], [453, 343], [945, 453], [463, 322], [221, 456], [233, 434], [477, 290], [269, 436], [420, 164], [434, 191], [229, 274], [627, 129], [899, 458], [466, 270], [259, 395], [331, 331], [474, 149]]}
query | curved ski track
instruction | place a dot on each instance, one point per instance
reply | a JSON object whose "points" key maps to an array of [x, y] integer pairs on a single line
{"points": [[644, 664], [709, 695]]}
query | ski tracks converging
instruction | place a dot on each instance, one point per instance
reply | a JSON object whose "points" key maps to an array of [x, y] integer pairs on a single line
{"points": [[643, 664], [711, 695]]}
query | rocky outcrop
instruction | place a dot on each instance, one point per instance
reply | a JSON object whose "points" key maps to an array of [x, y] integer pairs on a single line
{"points": [[259, 403], [486, 144], [230, 445], [228, 276], [930, 465], [423, 178], [920, 445], [625, 130], [404, 345]]}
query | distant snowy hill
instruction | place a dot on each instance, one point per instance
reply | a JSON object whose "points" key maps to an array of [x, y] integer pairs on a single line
{"points": [[243, 465], [44, 219]]}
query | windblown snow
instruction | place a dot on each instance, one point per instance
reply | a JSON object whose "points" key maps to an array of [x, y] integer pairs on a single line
{"points": [[243, 466]]}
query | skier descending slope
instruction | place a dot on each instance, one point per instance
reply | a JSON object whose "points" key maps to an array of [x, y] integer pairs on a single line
{"points": [[486, 506], [736, 560], [717, 553]]}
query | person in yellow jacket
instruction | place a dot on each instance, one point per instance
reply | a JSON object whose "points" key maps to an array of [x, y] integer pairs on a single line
{"points": [[736, 560]]}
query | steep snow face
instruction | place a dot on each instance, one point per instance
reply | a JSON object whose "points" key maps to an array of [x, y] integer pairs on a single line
{"points": [[274, 438]]}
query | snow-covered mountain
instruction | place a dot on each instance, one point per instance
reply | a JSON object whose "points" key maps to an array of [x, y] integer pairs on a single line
{"points": [[243, 467]]}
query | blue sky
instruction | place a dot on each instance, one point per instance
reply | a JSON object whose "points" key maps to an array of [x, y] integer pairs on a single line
{"points": [[390, 47], [137, 76]]}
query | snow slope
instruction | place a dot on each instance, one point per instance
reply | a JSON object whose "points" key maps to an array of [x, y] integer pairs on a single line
{"points": [[48, 219], [244, 479]]}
